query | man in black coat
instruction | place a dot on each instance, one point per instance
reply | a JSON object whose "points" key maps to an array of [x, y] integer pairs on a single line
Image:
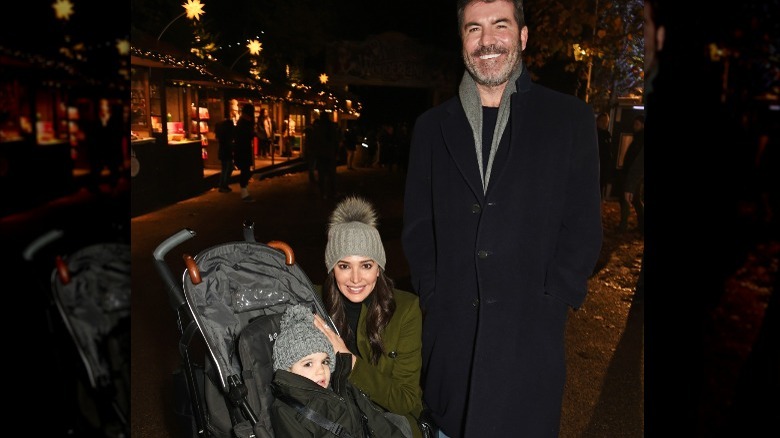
{"points": [[501, 233]]}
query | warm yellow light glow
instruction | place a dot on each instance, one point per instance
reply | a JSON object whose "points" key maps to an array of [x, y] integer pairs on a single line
{"points": [[254, 47], [63, 9], [123, 47], [323, 78], [579, 52], [194, 9]]}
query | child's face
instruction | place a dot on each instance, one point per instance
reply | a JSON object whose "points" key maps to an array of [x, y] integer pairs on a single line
{"points": [[315, 367]]}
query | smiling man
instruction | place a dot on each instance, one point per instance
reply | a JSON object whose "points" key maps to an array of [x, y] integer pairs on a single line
{"points": [[502, 228]]}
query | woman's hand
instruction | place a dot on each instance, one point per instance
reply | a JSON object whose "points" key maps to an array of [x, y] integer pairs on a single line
{"points": [[338, 344]]}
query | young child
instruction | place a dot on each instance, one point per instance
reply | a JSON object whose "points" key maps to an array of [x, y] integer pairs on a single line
{"points": [[312, 395]]}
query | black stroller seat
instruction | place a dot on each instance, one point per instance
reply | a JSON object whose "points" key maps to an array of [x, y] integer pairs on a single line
{"points": [[90, 293], [233, 295]]}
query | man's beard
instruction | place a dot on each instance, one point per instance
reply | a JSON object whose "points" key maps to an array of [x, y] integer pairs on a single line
{"points": [[488, 72]]}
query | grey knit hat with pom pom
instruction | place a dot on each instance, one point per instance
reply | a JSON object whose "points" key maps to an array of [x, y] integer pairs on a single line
{"points": [[298, 338], [352, 231]]}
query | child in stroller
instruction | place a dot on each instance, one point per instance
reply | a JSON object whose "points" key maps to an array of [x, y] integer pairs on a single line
{"points": [[304, 362], [232, 297]]}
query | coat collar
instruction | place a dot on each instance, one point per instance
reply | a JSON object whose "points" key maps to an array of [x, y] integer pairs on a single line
{"points": [[459, 140]]}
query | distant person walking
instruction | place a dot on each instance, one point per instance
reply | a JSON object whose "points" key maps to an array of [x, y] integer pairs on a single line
{"points": [[351, 139], [243, 153], [103, 131], [606, 157], [265, 133], [225, 132], [325, 143], [635, 149]]}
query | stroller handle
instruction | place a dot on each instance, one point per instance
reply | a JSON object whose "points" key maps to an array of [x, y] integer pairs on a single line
{"points": [[249, 230], [46, 238], [175, 294], [289, 256]]}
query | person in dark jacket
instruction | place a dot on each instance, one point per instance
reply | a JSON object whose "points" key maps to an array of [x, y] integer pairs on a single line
{"points": [[635, 149], [325, 140], [502, 229], [225, 133], [308, 374], [103, 131], [606, 157], [243, 148]]}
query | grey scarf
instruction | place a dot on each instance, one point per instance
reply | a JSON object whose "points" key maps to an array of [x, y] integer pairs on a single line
{"points": [[472, 105]]}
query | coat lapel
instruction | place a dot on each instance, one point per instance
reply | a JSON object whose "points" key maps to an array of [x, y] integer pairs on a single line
{"points": [[459, 142], [514, 129]]}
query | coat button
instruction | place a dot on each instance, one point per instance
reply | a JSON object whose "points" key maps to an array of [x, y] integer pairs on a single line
{"points": [[476, 208], [392, 354], [475, 303], [482, 254]]}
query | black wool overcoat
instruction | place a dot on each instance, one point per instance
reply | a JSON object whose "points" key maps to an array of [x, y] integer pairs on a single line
{"points": [[498, 271]]}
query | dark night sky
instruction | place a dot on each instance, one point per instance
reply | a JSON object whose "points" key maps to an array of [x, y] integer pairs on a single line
{"points": [[32, 24]]}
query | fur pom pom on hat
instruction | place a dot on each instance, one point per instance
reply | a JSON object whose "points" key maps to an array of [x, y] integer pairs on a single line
{"points": [[352, 231], [298, 338]]}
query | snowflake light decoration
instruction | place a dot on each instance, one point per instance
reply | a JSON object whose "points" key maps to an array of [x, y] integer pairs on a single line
{"points": [[63, 9], [254, 47], [194, 9]]}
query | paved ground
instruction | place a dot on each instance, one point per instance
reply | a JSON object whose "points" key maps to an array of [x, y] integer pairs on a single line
{"points": [[604, 390]]}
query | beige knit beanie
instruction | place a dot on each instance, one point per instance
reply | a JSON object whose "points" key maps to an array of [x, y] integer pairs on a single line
{"points": [[352, 231]]}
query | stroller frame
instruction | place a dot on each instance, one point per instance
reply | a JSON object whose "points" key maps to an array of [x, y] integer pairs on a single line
{"points": [[224, 290], [89, 287]]}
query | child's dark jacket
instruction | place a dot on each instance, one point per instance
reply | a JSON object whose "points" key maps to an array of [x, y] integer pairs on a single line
{"points": [[341, 403]]}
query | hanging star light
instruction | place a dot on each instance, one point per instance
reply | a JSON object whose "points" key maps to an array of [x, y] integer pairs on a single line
{"points": [[323, 78], [254, 47], [194, 9], [63, 9], [123, 47]]}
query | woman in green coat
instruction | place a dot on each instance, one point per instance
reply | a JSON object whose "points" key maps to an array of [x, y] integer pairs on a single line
{"points": [[379, 325]]}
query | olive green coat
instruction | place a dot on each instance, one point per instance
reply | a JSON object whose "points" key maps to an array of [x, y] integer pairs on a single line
{"points": [[394, 382]]}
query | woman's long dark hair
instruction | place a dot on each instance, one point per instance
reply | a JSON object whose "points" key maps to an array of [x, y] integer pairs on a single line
{"points": [[380, 311]]}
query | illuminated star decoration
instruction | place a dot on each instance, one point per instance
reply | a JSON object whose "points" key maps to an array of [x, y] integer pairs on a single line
{"points": [[254, 47], [194, 9], [63, 9], [123, 47], [323, 78]]}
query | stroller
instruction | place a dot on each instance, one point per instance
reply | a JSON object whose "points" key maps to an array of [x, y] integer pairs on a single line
{"points": [[90, 297], [233, 296]]}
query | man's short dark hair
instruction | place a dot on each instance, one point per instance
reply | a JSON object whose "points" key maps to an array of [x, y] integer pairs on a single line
{"points": [[518, 4]]}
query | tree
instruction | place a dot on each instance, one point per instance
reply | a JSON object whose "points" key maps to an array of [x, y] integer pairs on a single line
{"points": [[609, 32]]}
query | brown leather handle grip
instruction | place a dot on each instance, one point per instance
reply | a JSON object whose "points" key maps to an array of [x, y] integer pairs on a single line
{"points": [[289, 257], [62, 270], [192, 268]]}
